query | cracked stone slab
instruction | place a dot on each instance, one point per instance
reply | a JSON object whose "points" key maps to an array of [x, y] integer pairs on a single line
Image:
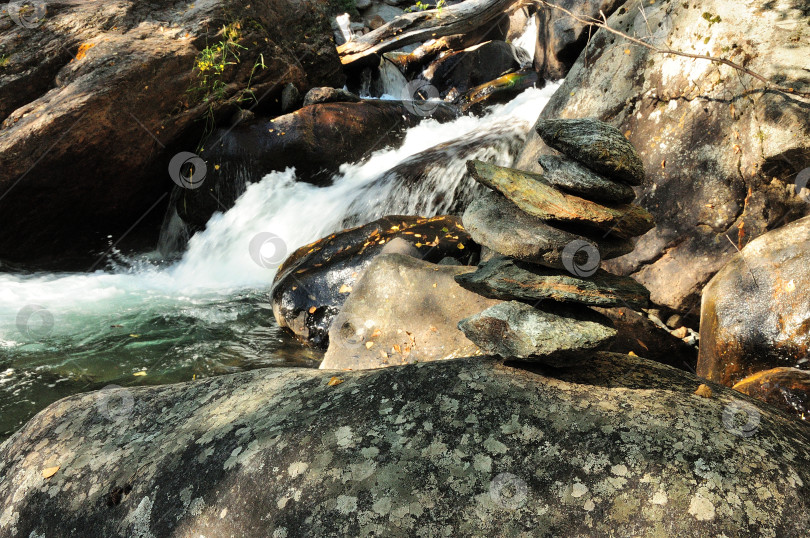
{"points": [[540, 199], [571, 176], [495, 222], [504, 278], [556, 335], [466, 447]]}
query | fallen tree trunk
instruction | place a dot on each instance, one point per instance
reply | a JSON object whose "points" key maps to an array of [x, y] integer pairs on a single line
{"points": [[421, 26]]}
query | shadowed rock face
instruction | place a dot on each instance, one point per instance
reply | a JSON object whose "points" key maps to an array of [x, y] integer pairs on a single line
{"points": [[314, 281], [468, 68], [756, 311], [622, 447], [705, 134], [95, 101]]}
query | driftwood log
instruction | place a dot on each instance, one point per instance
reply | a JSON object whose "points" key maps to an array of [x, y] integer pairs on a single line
{"points": [[422, 26]]}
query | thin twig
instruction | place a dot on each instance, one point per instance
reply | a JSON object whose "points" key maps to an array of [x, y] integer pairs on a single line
{"points": [[602, 23], [742, 257]]}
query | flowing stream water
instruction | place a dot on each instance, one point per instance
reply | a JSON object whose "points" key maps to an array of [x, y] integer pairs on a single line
{"points": [[144, 320]]}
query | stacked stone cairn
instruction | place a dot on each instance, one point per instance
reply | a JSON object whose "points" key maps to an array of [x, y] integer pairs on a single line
{"points": [[548, 234]]}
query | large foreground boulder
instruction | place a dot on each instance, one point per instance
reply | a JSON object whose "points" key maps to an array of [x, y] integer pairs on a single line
{"points": [[97, 97], [755, 313], [467, 447], [720, 152]]}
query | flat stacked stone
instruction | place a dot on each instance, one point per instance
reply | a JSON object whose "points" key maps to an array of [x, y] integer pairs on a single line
{"points": [[550, 232]]}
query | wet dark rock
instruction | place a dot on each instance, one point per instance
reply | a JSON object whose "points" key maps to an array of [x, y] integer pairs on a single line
{"points": [[555, 335], [504, 278], [98, 97], [315, 280], [497, 223], [595, 144], [532, 194], [756, 310], [785, 388], [403, 310], [621, 447], [496, 91], [710, 172], [314, 140], [329, 95], [575, 178], [460, 71]]}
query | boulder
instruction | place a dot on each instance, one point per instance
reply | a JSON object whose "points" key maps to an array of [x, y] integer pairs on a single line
{"points": [[558, 335], [315, 140], [96, 98], [456, 72], [497, 223], [561, 38], [756, 310], [403, 310], [785, 388], [329, 95], [575, 178], [595, 144], [711, 139], [384, 11], [500, 90], [533, 195], [314, 281], [465, 447], [504, 278]]}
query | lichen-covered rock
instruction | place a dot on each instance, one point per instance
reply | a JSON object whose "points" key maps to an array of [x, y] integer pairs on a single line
{"points": [[786, 388], [495, 222], [403, 310], [504, 278], [315, 280], [554, 335], [464, 447], [756, 310], [329, 95], [596, 144], [575, 178], [706, 133], [538, 198]]}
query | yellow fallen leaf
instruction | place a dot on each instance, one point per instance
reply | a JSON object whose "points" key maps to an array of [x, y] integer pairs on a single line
{"points": [[334, 381], [135, 335], [139, 374], [632, 354], [704, 391], [49, 471], [312, 309], [345, 289], [369, 345], [460, 246], [790, 286]]}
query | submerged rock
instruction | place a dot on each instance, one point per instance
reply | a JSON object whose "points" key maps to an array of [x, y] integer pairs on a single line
{"points": [[596, 144], [755, 313], [504, 278], [554, 335], [536, 197], [314, 281], [403, 310], [497, 223], [785, 388], [469, 447]]}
